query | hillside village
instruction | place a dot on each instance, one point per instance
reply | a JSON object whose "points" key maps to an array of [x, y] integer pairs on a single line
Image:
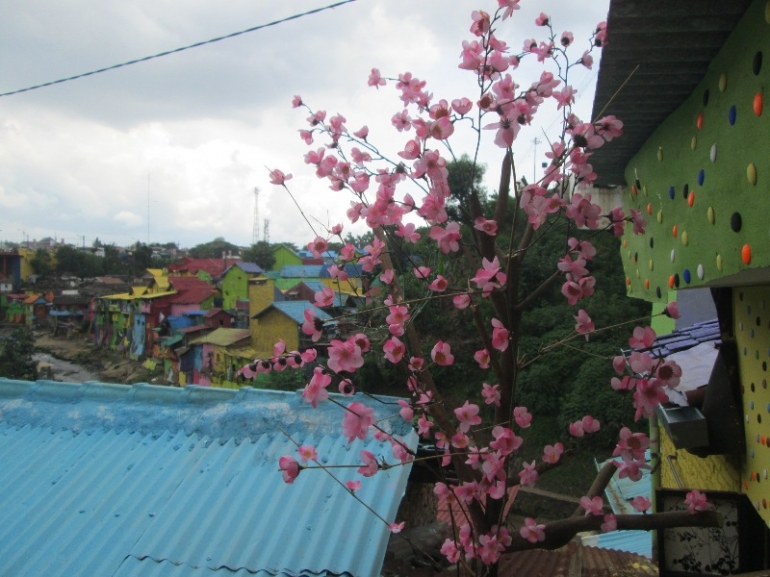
{"points": [[200, 320]]}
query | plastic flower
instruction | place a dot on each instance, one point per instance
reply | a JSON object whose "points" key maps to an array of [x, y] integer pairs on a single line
{"points": [[592, 505], [468, 415], [278, 177], [697, 501], [289, 467], [357, 420], [531, 531]]}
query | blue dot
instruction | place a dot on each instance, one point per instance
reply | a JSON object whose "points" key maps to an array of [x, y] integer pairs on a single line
{"points": [[701, 177], [768, 407], [671, 193], [751, 453], [751, 405], [686, 275], [732, 115]]}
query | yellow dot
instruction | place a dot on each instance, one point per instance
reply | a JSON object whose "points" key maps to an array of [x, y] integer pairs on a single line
{"points": [[660, 154], [660, 216], [694, 143], [751, 173], [644, 188], [710, 215], [652, 265], [719, 261], [629, 254], [637, 274], [685, 238], [723, 82]]}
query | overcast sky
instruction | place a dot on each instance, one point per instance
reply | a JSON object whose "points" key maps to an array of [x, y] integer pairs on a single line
{"points": [[180, 142]]}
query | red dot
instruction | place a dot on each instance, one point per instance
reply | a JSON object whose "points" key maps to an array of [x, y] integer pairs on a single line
{"points": [[758, 104], [674, 231], [649, 208], [691, 199], [699, 121], [746, 254], [671, 281], [647, 283], [633, 190]]}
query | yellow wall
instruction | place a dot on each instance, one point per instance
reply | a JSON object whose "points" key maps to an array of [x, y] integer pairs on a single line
{"points": [[26, 267], [751, 315], [270, 328], [714, 473], [261, 292]]}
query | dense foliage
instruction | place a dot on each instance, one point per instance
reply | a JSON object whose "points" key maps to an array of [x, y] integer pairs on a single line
{"points": [[16, 352]]}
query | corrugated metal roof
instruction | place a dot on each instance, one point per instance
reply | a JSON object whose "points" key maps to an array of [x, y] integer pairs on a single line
{"points": [[301, 270], [111, 480], [223, 337], [295, 310], [672, 42]]}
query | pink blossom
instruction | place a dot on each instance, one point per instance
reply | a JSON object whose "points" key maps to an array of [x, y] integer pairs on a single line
{"points": [[630, 468], [576, 429], [309, 355], [375, 79], [592, 505], [401, 121], [324, 298], [542, 20], [441, 353], [489, 276], [669, 373], [387, 276], [462, 301], [566, 39], [421, 272], [346, 387], [357, 420], [486, 226], [632, 444], [643, 338], [638, 220], [590, 425], [482, 358], [396, 527], [344, 356], [468, 415], [307, 453], [522, 417], [480, 24], [290, 468], [491, 394], [619, 364], [509, 6], [439, 284], [531, 531], [296, 102], [278, 177], [610, 523], [315, 391], [648, 395], [640, 363], [447, 237], [312, 326], [500, 335], [450, 551], [462, 106], [460, 440], [672, 310], [640, 503], [697, 501], [552, 453], [506, 441], [306, 136], [370, 465], [394, 350], [584, 324], [406, 412], [353, 486], [529, 474], [362, 132], [407, 232], [587, 60]]}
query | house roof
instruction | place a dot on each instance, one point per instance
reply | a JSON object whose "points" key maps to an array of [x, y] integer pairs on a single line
{"points": [[353, 270], [213, 266], [186, 282], [195, 295], [66, 300], [144, 480], [223, 337], [672, 42], [249, 267], [295, 310], [301, 270]]}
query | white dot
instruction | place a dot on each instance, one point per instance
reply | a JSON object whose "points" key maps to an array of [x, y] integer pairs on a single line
{"points": [[713, 152], [673, 255], [701, 272]]}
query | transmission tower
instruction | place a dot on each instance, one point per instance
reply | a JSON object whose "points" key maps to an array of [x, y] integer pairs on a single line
{"points": [[255, 232], [266, 238]]}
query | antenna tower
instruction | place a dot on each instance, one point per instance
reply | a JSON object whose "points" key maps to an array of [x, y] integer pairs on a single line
{"points": [[255, 232]]}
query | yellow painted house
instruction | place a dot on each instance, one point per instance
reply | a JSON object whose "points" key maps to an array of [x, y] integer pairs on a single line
{"points": [[690, 82]]}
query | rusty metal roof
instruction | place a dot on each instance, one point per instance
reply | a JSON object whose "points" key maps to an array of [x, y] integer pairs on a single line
{"points": [[672, 42]]}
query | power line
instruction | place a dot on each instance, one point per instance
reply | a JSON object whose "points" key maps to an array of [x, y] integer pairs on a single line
{"points": [[176, 50]]}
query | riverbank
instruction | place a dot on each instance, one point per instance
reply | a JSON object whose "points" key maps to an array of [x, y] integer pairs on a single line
{"points": [[110, 366]]}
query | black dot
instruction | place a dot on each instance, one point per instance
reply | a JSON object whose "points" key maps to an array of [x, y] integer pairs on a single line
{"points": [[706, 97], [657, 292], [740, 296], [752, 387], [652, 242], [636, 257], [764, 366], [759, 321], [676, 280], [756, 65], [686, 191], [638, 184], [759, 419], [736, 222]]}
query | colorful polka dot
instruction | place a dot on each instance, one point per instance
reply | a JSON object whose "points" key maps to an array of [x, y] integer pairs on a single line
{"points": [[686, 275], [671, 192], [751, 173], [746, 254], [710, 214], [757, 105], [699, 121], [713, 152], [732, 115], [701, 273], [722, 82]]}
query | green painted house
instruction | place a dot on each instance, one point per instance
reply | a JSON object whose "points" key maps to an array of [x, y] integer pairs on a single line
{"points": [[235, 283]]}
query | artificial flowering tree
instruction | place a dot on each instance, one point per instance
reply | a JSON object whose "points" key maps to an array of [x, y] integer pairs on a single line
{"points": [[403, 196]]}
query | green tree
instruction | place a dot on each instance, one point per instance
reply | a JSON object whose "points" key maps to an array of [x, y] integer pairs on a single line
{"points": [[42, 263], [16, 352], [261, 254], [465, 177], [214, 249]]}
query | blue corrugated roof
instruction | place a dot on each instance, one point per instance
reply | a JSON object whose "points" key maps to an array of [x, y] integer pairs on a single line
{"points": [[250, 267], [126, 481], [353, 270], [301, 270], [296, 310]]}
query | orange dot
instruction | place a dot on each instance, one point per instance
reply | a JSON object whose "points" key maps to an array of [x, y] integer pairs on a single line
{"points": [[674, 231], [649, 208], [633, 190], [671, 282], [691, 198], [625, 244], [628, 280], [753, 476], [762, 440], [746, 485], [746, 254], [647, 283], [764, 503], [758, 104], [699, 121]]}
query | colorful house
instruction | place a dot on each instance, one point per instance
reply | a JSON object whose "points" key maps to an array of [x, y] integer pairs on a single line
{"points": [[282, 320], [695, 162], [142, 480], [204, 268], [194, 299], [208, 355], [285, 256], [234, 283]]}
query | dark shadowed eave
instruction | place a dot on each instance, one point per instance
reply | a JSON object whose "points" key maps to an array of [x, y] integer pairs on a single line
{"points": [[672, 42]]}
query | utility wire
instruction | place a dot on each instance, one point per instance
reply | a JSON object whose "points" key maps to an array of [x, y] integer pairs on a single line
{"points": [[175, 50]]}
